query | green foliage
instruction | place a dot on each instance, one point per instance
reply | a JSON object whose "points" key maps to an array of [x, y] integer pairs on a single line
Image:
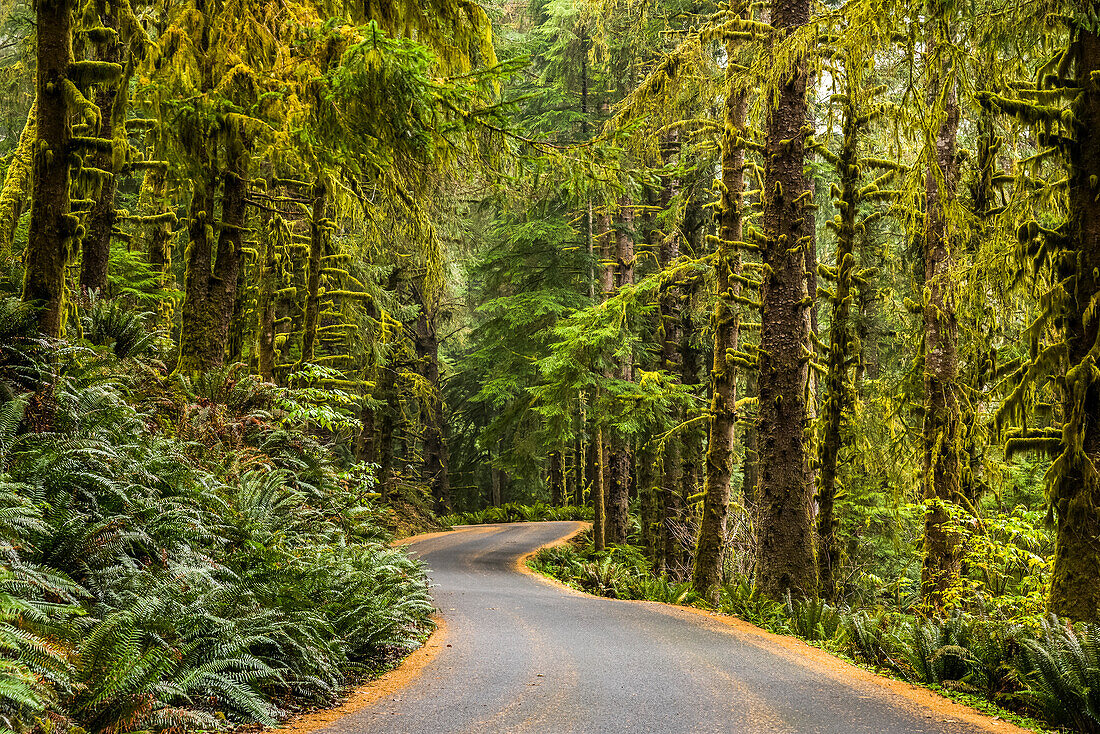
{"points": [[1061, 669], [512, 512], [189, 578], [814, 620]]}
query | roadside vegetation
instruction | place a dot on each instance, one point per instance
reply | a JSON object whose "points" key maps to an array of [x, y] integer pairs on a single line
{"points": [[180, 554], [513, 512]]}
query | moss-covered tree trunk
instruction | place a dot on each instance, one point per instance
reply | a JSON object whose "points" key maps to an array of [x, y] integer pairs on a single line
{"points": [[435, 467], [785, 558], [671, 507], [52, 226], [158, 251], [942, 455], [387, 389], [600, 532], [210, 293], [95, 246], [722, 418], [838, 395], [319, 227], [556, 479], [275, 235], [693, 435], [618, 495], [1075, 586], [13, 195]]}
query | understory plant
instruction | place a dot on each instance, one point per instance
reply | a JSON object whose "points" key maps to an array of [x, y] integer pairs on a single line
{"points": [[180, 554]]}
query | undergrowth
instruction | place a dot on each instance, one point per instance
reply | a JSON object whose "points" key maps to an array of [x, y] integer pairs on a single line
{"points": [[511, 512], [179, 554]]}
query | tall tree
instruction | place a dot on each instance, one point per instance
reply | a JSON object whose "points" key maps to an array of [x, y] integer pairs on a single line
{"points": [[785, 555], [722, 416], [942, 443]]}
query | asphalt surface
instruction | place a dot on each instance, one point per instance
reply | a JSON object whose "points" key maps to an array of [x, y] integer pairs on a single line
{"points": [[523, 655]]}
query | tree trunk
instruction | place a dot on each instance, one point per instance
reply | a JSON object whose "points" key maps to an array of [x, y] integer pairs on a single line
{"points": [[556, 479], [96, 243], [600, 532], [52, 226], [942, 460], [599, 526], [693, 436], [159, 249], [387, 389], [13, 196], [722, 418], [618, 499], [495, 486], [785, 559], [210, 296], [838, 391], [435, 438], [670, 506], [318, 235], [276, 237], [366, 449], [1075, 586]]}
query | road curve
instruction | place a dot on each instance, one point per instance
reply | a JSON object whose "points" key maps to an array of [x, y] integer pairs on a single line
{"points": [[525, 655]]}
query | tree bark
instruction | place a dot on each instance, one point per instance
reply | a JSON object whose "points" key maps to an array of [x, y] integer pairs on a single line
{"points": [[556, 480], [387, 389], [1075, 585], [317, 239], [210, 294], [785, 559], [838, 390], [13, 196], [52, 226], [670, 506], [618, 498], [96, 243], [942, 459], [435, 438], [722, 418]]}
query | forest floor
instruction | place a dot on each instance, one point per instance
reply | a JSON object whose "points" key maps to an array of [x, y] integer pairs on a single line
{"points": [[522, 653]]}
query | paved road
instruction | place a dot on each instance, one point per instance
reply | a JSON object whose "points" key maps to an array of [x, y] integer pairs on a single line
{"points": [[526, 656]]}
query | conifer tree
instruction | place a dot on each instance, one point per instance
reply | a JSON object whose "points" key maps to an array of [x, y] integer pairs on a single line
{"points": [[785, 555], [722, 416]]}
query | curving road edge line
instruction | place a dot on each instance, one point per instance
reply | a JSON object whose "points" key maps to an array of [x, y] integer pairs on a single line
{"points": [[409, 669], [920, 699]]}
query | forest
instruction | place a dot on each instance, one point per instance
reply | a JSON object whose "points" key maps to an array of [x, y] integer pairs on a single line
{"points": [[797, 302]]}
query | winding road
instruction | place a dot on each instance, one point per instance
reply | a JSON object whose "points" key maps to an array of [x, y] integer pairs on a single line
{"points": [[522, 654]]}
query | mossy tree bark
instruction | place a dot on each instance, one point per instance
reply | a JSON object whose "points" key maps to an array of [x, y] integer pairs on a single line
{"points": [[1075, 586], [318, 236], [276, 235], [785, 558], [671, 507], [435, 439], [52, 225], [838, 387], [556, 479], [941, 439], [618, 496], [95, 246], [706, 574], [387, 389], [13, 195], [600, 532], [210, 293]]}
